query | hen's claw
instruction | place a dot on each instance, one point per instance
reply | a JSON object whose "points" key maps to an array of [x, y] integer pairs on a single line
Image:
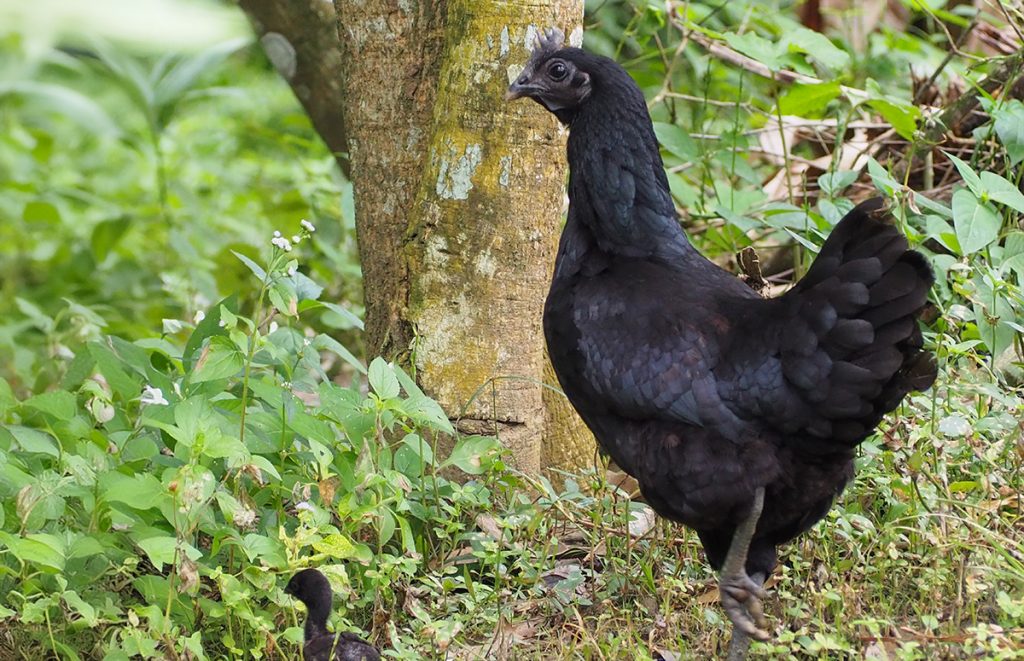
{"points": [[741, 598]]}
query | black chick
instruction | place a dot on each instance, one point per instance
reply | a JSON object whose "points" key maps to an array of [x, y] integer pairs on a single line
{"points": [[311, 588], [738, 416]]}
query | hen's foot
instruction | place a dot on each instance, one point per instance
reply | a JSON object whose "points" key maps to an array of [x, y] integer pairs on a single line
{"points": [[741, 598]]}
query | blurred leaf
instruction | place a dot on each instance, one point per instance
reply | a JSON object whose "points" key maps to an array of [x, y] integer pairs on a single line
{"points": [[676, 140], [106, 235], [819, 48], [58, 403], [808, 100], [65, 101], [1009, 124]]}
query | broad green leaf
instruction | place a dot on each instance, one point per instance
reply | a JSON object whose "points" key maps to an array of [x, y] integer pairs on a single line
{"points": [[106, 235], [34, 440], [337, 546], [383, 380], [41, 212], [756, 47], [7, 399], [124, 384], [968, 174], [72, 104], [470, 454], [818, 47], [160, 550], [256, 269], [221, 359], [82, 607], [141, 491], [808, 100], [977, 224], [327, 343], [833, 183], [188, 71], [1009, 124], [903, 117], [1002, 191], [676, 140], [58, 403]]}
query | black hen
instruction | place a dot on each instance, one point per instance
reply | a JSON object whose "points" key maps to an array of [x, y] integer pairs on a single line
{"points": [[715, 400], [311, 588]]}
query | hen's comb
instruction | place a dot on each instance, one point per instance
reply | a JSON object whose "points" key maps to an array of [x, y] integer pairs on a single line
{"points": [[551, 40]]}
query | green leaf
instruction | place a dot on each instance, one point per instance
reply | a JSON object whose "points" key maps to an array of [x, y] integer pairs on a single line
{"points": [[33, 440], [977, 224], [968, 174], [808, 100], [337, 546], [1009, 124], [80, 606], [71, 104], [756, 47], [105, 236], [110, 367], [676, 140], [833, 183], [326, 342], [187, 72], [470, 454], [160, 550], [818, 47], [383, 379], [58, 403], [256, 269], [1002, 191], [141, 491], [220, 360], [41, 212], [7, 399], [39, 549], [903, 117]]}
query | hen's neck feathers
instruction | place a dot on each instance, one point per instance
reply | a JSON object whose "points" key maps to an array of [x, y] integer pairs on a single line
{"points": [[611, 138]]}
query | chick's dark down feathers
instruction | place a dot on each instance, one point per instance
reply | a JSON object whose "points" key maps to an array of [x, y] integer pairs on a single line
{"points": [[312, 588], [693, 384]]}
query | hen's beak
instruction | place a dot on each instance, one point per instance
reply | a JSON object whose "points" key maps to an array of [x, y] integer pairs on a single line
{"points": [[520, 88]]}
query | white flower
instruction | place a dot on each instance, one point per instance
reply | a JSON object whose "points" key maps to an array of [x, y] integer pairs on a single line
{"points": [[151, 395], [296, 239], [273, 327], [282, 243], [277, 234], [308, 226], [292, 270], [303, 506], [200, 315]]}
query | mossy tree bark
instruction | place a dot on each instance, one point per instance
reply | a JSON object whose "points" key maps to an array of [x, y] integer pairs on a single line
{"points": [[458, 208]]}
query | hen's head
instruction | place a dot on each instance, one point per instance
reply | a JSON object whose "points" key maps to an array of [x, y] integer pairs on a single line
{"points": [[311, 588], [555, 77]]}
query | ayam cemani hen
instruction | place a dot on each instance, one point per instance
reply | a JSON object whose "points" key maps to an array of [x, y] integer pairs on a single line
{"points": [[312, 588], [738, 416]]}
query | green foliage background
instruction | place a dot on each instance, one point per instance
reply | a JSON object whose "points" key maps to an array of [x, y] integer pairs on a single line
{"points": [[186, 413]]}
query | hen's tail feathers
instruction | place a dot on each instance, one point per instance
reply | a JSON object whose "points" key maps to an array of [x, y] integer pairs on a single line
{"points": [[859, 350]]}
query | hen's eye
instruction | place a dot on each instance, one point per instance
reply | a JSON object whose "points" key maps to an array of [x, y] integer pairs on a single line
{"points": [[558, 71]]}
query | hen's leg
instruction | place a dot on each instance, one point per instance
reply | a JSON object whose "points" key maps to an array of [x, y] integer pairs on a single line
{"points": [[741, 594]]}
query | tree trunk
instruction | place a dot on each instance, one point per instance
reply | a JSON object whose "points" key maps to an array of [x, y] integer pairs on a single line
{"points": [[458, 207]]}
